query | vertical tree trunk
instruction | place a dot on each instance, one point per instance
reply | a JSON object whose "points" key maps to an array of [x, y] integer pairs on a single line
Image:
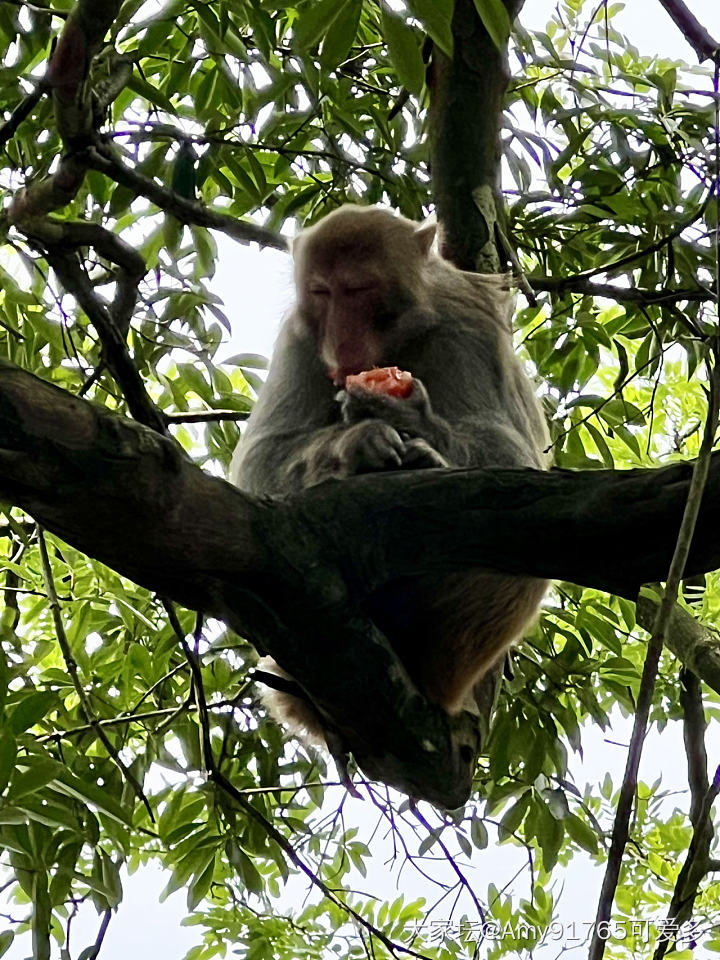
{"points": [[466, 99]]}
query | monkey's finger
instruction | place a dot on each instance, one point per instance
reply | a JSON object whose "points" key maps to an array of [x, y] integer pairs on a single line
{"points": [[419, 455], [384, 447]]}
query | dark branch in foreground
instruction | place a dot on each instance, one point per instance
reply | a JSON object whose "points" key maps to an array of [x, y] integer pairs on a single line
{"points": [[694, 32], [274, 570]]}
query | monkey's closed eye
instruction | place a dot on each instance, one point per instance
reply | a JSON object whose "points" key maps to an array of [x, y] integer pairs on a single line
{"points": [[320, 291]]}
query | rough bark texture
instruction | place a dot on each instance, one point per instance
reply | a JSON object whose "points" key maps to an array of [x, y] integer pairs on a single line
{"points": [[275, 570], [465, 106]]}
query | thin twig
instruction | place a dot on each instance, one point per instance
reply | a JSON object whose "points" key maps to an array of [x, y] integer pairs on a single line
{"points": [[696, 865], [20, 113], [104, 159], [621, 826], [451, 860], [72, 670], [95, 949], [67, 266], [612, 291], [219, 778]]}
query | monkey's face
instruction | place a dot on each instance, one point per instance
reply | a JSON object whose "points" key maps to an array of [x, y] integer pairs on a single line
{"points": [[351, 316], [357, 273]]}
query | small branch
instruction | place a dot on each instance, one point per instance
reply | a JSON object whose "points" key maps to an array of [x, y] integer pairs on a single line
{"points": [[615, 265], [694, 32], [159, 131], [41, 197], [94, 952], [72, 670], [75, 281], [696, 865], [462, 879], [57, 237], [206, 416], [621, 827], [38, 8], [696, 647], [104, 159], [20, 113], [583, 285], [694, 725]]}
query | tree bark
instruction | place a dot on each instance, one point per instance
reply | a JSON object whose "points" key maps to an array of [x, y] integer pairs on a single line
{"points": [[466, 101], [275, 570]]}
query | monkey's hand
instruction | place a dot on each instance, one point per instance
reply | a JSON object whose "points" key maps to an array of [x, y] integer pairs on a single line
{"points": [[419, 455], [412, 417], [346, 449], [368, 446]]}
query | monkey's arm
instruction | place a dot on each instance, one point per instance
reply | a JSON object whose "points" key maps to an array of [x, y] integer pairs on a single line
{"points": [[295, 437], [416, 422]]}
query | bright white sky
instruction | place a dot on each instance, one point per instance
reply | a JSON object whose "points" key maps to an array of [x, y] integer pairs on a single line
{"points": [[257, 289]]}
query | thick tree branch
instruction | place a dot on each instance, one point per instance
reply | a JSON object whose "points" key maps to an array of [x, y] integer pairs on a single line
{"points": [[67, 74], [274, 570], [694, 32], [695, 646], [465, 140]]}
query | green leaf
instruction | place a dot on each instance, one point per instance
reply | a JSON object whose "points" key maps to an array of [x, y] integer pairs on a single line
{"points": [[404, 49], [479, 834], [341, 35], [557, 803], [6, 940], [496, 21], [198, 888], [8, 752], [39, 771], [30, 710], [436, 18], [150, 93], [315, 21], [254, 360], [88, 792], [581, 833]]}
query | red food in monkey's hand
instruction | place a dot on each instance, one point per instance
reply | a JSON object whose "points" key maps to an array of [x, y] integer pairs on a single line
{"points": [[387, 380]]}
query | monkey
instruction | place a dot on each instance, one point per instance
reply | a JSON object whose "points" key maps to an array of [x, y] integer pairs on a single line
{"points": [[371, 292]]}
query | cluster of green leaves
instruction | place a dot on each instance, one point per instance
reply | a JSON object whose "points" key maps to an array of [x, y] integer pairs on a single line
{"points": [[279, 111]]}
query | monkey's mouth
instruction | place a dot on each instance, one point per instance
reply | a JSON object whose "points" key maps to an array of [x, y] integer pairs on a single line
{"points": [[338, 376]]}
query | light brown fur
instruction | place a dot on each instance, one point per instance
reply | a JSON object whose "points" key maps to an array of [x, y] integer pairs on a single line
{"points": [[371, 293]]}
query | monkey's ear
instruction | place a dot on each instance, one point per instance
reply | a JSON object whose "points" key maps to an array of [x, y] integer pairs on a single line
{"points": [[424, 235]]}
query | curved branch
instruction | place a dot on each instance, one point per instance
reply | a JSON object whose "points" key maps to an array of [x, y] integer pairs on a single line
{"points": [[275, 569], [103, 158]]}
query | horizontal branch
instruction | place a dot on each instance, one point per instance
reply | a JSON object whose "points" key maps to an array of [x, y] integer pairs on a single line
{"points": [[205, 416], [275, 569], [613, 291], [129, 497]]}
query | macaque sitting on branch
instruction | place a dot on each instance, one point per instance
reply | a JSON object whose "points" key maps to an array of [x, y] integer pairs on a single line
{"points": [[372, 293]]}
